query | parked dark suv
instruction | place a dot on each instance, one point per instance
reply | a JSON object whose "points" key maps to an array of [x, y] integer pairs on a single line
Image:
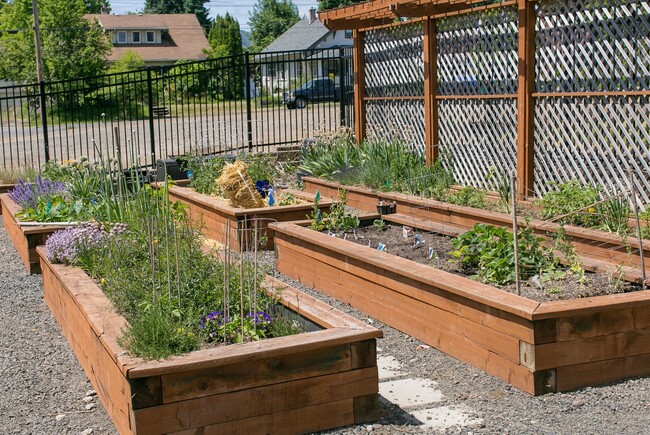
{"points": [[322, 89]]}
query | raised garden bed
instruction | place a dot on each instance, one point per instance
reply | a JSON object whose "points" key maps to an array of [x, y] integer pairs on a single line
{"points": [[605, 251], [536, 347], [25, 238], [217, 217], [5, 188], [294, 384]]}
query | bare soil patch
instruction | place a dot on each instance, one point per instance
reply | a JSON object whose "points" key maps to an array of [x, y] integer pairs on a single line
{"points": [[433, 250]]}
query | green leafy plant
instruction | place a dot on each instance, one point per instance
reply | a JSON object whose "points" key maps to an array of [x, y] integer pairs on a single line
{"points": [[336, 220], [379, 224], [490, 250], [614, 215], [468, 196], [204, 174], [569, 197], [502, 186]]}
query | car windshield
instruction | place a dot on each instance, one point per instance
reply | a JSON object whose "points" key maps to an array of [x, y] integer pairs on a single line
{"points": [[310, 84]]}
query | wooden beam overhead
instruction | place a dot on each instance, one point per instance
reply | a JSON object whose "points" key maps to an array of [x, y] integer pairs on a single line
{"points": [[380, 12]]}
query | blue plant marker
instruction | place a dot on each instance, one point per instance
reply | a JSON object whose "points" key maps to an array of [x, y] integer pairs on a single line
{"points": [[317, 197], [381, 247], [189, 174], [430, 252], [318, 216], [271, 194]]}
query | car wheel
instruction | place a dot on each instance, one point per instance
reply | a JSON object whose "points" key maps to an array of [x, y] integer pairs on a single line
{"points": [[301, 103]]}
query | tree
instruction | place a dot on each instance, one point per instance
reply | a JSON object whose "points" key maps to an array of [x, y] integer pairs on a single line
{"points": [[331, 4], [97, 6], [270, 19], [225, 37], [225, 41], [72, 46], [129, 61], [196, 7]]}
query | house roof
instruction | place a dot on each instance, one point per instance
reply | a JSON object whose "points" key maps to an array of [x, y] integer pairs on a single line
{"points": [[300, 36], [184, 37]]}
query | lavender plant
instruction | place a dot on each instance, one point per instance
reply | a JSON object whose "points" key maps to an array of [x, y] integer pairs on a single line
{"points": [[66, 245], [28, 194]]}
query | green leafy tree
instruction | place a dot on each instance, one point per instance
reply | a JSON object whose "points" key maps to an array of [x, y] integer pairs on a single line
{"points": [[225, 37], [196, 7], [72, 46], [270, 19], [226, 45], [331, 4], [97, 6]]}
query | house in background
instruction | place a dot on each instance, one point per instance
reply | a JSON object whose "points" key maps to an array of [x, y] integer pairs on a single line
{"points": [[308, 50], [159, 39]]}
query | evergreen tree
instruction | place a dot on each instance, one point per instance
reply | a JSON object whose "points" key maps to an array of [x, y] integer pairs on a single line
{"points": [[196, 7], [225, 40], [97, 6], [270, 19], [72, 46], [225, 37]]}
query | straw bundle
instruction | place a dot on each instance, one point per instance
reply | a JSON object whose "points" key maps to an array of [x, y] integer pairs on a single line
{"points": [[237, 186]]}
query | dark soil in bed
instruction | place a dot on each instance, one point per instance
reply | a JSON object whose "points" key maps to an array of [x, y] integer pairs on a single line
{"points": [[433, 250]]}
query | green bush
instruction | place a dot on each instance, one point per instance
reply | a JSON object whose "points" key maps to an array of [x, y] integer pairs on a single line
{"points": [[490, 250], [567, 198]]}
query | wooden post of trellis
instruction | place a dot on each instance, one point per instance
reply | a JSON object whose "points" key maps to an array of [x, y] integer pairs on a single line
{"points": [[525, 101], [359, 86], [430, 91]]}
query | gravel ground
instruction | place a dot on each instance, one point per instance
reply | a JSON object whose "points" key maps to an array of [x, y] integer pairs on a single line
{"points": [[43, 389]]}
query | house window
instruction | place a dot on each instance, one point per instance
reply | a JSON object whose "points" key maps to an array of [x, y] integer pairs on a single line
{"points": [[348, 34], [121, 37], [151, 37], [135, 37]]}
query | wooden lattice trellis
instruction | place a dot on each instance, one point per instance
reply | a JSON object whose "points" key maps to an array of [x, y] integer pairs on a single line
{"points": [[477, 56], [394, 76], [592, 110], [556, 89]]}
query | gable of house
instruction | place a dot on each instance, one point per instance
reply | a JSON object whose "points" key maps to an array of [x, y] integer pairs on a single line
{"points": [[159, 39]]}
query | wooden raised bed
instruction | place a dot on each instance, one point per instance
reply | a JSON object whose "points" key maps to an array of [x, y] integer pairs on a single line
{"points": [[296, 384], [217, 217], [602, 250], [5, 188], [25, 239], [536, 347]]}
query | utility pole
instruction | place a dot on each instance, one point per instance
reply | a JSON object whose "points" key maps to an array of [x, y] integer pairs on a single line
{"points": [[37, 40]]}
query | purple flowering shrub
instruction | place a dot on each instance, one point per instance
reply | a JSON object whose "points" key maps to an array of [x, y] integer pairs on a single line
{"points": [[221, 328], [27, 194], [65, 245]]}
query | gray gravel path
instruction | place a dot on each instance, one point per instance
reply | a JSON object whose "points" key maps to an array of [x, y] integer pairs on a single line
{"points": [[42, 386]]}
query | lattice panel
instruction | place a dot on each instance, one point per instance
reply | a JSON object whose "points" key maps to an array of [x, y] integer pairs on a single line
{"points": [[478, 136], [397, 120], [477, 53], [394, 61], [592, 45], [594, 140]]}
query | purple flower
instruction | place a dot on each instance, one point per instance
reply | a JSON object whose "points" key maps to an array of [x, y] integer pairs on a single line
{"points": [[64, 246], [213, 317], [27, 194]]}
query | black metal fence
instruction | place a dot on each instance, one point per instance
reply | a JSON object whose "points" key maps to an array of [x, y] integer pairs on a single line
{"points": [[252, 102]]}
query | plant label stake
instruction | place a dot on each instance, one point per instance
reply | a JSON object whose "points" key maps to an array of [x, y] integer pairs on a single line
{"points": [[515, 238], [406, 231], [381, 247], [418, 242], [430, 252]]}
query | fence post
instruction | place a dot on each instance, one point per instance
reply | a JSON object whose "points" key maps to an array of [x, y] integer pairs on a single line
{"points": [[46, 140], [249, 121], [343, 88], [151, 126], [359, 86]]}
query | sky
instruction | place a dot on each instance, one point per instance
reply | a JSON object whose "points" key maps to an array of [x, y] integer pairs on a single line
{"points": [[237, 8]]}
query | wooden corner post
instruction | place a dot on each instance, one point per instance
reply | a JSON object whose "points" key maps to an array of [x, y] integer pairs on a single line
{"points": [[430, 91], [525, 101], [359, 86]]}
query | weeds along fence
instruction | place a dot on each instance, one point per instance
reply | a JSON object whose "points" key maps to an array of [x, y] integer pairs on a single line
{"points": [[223, 105], [558, 90]]}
